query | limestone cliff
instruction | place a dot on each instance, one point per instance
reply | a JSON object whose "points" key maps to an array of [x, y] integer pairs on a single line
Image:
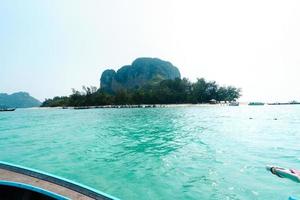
{"points": [[141, 72]]}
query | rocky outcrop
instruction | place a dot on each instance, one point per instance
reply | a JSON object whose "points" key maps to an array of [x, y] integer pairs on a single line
{"points": [[141, 72]]}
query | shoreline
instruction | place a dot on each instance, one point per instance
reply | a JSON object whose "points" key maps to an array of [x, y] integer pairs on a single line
{"points": [[242, 104], [138, 106]]}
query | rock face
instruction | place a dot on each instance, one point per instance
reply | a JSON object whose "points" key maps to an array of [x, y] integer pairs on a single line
{"points": [[18, 100], [142, 71]]}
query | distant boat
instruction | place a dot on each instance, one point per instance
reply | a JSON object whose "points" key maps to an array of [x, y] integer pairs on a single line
{"points": [[290, 103], [234, 103], [82, 107], [294, 103], [256, 104], [213, 101], [7, 109], [17, 182]]}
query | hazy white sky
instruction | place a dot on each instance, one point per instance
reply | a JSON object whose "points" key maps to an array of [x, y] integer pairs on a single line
{"points": [[49, 47]]}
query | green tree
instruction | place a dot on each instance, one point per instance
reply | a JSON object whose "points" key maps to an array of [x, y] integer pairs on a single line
{"points": [[163, 92]]}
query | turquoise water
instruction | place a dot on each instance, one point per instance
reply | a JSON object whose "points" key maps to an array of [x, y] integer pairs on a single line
{"points": [[160, 153]]}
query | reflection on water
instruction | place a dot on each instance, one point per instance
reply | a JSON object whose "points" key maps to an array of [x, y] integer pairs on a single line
{"points": [[160, 153]]}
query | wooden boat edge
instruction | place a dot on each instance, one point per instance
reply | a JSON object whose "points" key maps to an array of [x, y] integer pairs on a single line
{"points": [[33, 188], [63, 182]]}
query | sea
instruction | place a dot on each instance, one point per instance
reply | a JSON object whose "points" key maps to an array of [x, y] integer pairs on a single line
{"points": [[187, 152]]}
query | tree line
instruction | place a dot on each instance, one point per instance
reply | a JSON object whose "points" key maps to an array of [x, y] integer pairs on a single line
{"points": [[177, 91]]}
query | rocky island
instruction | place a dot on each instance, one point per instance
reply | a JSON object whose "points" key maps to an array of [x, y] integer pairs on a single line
{"points": [[18, 100], [146, 81], [141, 72]]}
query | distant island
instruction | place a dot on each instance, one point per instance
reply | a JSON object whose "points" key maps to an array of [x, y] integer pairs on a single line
{"points": [[18, 100], [146, 81]]}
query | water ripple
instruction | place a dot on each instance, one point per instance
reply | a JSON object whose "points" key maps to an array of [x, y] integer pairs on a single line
{"points": [[163, 153]]}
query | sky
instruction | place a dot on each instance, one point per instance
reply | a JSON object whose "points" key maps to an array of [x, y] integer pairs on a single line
{"points": [[48, 47]]}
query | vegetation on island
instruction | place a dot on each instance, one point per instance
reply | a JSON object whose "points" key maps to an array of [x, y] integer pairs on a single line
{"points": [[170, 91], [146, 81]]}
